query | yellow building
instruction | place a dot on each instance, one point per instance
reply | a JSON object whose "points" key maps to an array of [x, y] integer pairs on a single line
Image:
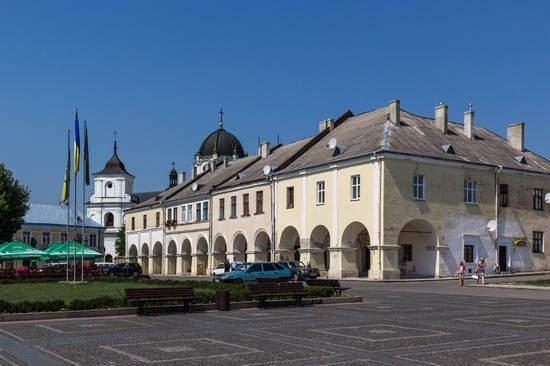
{"points": [[353, 200]]}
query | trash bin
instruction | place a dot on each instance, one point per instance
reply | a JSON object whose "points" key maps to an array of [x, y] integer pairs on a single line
{"points": [[222, 300]]}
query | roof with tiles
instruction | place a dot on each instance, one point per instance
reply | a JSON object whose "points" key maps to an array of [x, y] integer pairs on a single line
{"points": [[370, 132], [48, 215], [278, 155]]}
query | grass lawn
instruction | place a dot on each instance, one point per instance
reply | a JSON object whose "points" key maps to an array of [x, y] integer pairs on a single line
{"points": [[67, 292], [542, 283]]}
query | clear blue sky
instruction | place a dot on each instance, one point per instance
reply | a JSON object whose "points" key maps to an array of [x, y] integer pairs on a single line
{"points": [[159, 71]]}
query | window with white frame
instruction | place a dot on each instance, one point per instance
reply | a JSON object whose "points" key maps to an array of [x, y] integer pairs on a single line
{"points": [[26, 237], [537, 199], [233, 207], [355, 187], [537, 241], [169, 214], [321, 193], [419, 187], [93, 240], [46, 238], [470, 191], [186, 213], [202, 211], [222, 209], [63, 237], [175, 214]]}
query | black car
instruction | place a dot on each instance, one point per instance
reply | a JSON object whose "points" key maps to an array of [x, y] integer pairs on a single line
{"points": [[124, 270], [299, 270]]}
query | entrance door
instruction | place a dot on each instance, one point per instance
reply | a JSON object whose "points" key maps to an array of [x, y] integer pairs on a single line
{"points": [[502, 258]]}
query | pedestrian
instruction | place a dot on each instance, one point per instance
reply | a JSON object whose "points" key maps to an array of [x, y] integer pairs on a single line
{"points": [[480, 270], [461, 270], [403, 267], [234, 265], [226, 266]]}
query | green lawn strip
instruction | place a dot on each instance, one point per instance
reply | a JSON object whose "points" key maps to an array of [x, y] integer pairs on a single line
{"points": [[541, 283], [25, 296]]}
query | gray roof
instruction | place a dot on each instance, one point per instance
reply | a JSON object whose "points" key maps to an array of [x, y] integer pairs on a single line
{"points": [[141, 197], [278, 155], [415, 135], [114, 165], [49, 215]]}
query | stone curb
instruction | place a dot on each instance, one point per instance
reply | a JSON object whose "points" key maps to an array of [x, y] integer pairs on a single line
{"points": [[76, 314]]}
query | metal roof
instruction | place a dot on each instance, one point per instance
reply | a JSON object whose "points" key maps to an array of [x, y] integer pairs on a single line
{"points": [[55, 215]]}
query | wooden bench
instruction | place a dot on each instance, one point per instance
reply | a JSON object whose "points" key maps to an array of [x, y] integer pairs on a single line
{"points": [[325, 282], [269, 290], [159, 294], [271, 280]]}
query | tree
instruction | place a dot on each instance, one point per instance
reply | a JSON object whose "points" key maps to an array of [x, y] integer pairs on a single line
{"points": [[14, 200], [120, 243]]}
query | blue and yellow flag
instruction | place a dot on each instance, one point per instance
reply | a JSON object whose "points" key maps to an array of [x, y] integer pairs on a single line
{"points": [[67, 182], [76, 144], [86, 156]]}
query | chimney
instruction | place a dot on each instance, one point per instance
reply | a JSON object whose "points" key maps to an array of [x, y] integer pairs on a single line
{"points": [[515, 135], [264, 149], [469, 124], [181, 177], [225, 162], [327, 123], [395, 110], [193, 172], [441, 117]]}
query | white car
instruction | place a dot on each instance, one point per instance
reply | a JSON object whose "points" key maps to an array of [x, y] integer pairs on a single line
{"points": [[220, 269]]}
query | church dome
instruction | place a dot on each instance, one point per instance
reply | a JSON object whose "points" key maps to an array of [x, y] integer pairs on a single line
{"points": [[222, 142]]}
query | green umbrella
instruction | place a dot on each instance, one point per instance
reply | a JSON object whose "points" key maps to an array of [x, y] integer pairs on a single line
{"points": [[19, 250], [58, 251]]}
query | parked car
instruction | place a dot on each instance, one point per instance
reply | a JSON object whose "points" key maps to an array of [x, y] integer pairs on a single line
{"points": [[299, 271], [123, 270], [103, 265], [220, 269], [249, 272]]}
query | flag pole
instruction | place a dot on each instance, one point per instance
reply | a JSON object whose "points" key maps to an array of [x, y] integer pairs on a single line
{"points": [[68, 200], [85, 179], [76, 169]]}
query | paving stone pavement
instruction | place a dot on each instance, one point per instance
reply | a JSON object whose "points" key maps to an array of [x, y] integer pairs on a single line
{"points": [[435, 323]]}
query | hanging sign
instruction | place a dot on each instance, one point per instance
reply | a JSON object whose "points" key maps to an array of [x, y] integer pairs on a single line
{"points": [[520, 242]]}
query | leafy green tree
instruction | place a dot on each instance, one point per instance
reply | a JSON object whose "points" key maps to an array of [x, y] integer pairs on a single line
{"points": [[120, 243], [14, 200]]}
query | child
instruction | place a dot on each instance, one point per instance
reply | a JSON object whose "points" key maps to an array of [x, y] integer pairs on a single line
{"points": [[461, 270]]}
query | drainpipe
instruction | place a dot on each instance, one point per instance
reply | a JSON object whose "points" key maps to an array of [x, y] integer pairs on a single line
{"points": [[273, 208], [163, 220], [497, 191]]}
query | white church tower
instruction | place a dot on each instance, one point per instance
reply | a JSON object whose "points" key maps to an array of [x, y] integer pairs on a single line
{"points": [[113, 193]]}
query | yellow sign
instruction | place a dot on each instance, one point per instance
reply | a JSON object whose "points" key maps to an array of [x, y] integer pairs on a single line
{"points": [[520, 242]]}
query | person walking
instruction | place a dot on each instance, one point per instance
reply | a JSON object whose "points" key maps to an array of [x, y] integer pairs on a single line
{"points": [[234, 265], [402, 267], [461, 270], [480, 270]]}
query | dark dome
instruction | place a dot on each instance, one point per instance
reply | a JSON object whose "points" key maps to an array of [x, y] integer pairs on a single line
{"points": [[224, 142], [114, 165]]}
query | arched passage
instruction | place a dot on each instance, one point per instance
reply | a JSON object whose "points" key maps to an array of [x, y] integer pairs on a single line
{"points": [[157, 258], [219, 251], [288, 244], [319, 244], [262, 246], [355, 242], [186, 258], [202, 256], [171, 258], [418, 242], [144, 258], [240, 246]]}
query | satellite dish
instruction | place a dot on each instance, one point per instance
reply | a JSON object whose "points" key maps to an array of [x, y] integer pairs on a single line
{"points": [[267, 169], [547, 198], [492, 225], [332, 143], [195, 186]]}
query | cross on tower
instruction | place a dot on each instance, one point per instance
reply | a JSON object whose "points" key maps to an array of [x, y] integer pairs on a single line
{"points": [[221, 118]]}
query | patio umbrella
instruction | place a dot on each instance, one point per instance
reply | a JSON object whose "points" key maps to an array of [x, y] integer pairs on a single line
{"points": [[19, 250], [58, 251]]}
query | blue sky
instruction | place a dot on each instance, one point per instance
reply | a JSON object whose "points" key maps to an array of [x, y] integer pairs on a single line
{"points": [[159, 71]]}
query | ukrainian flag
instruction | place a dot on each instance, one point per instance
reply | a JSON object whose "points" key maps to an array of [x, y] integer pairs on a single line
{"points": [[76, 144], [67, 182]]}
